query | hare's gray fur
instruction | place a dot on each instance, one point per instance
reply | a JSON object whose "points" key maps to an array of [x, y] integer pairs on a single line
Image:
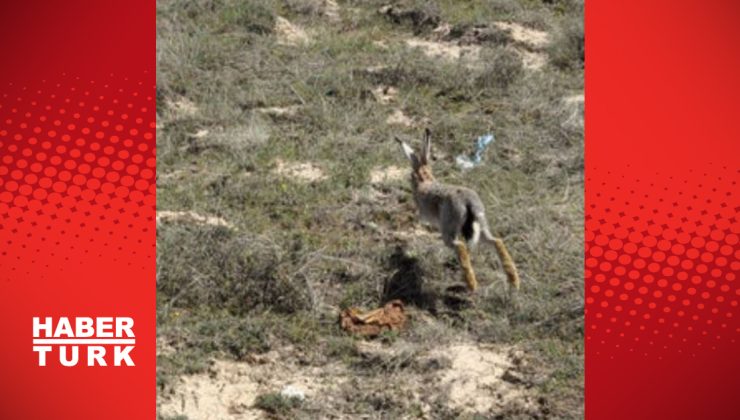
{"points": [[456, 211]]}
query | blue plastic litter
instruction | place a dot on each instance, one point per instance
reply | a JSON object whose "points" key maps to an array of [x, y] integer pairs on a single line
{"points": [[469, 162]]}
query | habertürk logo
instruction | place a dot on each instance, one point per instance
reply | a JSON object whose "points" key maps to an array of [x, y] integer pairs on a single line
{"points": [[99, 341]]}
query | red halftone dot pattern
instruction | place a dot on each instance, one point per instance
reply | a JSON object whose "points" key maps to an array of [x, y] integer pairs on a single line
{"points": [[77, 163], [662, 278]]}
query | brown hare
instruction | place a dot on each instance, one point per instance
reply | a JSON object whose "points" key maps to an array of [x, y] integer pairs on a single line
{"points": [[456, 211]]}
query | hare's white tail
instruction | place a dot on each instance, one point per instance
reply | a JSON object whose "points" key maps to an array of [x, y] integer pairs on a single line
{"points": [[471, 227]]}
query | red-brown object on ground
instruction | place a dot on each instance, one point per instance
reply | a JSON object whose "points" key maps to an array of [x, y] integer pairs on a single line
{"points": [[391, 317]]}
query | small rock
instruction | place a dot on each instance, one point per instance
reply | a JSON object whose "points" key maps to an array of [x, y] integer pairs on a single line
{"points": [[292, 391], [200, 134], [372, 226]]}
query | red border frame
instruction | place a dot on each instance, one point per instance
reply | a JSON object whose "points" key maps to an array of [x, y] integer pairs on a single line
{"points": [[77, 198], [661, 261], [661, 217]]}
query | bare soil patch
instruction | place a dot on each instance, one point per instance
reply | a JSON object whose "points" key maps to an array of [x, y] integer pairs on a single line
{"points": [[479, 378], [574, 109], [280, 111], [467, 377], [445, 50], [531, 60], [385, 94], [331, 10], [182, 107], [299, 171], [230, 389], [388, 174], [399, 118], [166, 216], [288, 33], [524, 35]]}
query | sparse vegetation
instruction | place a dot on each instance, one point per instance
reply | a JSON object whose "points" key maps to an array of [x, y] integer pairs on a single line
{"points": [[237, 105], [502, 68], [569, 49], [277, 405]]}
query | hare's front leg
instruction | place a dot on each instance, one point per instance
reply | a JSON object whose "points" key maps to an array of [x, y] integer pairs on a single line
{"points": [[464, 257]]}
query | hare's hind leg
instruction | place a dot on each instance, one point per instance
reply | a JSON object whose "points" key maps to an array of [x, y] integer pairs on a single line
{"points": [[511, 272], [463, 256]]}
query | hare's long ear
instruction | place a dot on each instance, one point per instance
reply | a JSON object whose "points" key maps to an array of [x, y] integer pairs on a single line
{"points": [[409, 152], [426, 151]]}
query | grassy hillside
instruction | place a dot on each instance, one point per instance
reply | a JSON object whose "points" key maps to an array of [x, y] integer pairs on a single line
{"points": [[283, 199]]}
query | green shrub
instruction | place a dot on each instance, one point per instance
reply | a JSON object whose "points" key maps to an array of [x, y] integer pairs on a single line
{"points": [[277, 404], [502, 67], [568, 50], [203, 266]]}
